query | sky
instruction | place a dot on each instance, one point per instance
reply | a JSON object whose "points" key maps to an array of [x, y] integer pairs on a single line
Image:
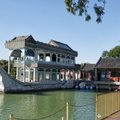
{"points": [[49, 19]]}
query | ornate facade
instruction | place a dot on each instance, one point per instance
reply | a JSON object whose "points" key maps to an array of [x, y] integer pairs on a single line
{"points": [[36, 61]]}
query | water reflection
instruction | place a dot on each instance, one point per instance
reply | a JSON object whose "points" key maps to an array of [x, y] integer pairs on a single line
{"points": [[1, 103], [84, 106], [41, 104]]}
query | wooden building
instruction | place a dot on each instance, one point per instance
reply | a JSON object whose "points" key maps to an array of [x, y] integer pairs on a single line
{"points": [[87, 72], [37, 61], [107, 69]]}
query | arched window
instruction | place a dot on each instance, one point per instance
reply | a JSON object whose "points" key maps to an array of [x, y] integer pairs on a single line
{"points": [[16, 53], [30, 53], [40, 74], [68, 57], [62, 59], [58, 59], [63, 56], [54, 70], [41, 56], [54, 57], [47, 77], [40, 69], [47, 57]]}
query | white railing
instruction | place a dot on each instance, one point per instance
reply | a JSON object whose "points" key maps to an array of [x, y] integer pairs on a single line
{"points": [[45, 62], [55, 63], [18, 61]]}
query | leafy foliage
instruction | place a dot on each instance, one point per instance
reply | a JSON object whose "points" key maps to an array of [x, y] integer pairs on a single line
{"points": [[4, 65], [12, 69], [82, 64], [81, 6], [105, 53], [115, 52]]}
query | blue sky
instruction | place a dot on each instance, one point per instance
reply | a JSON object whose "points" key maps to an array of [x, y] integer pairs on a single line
{"points": [[48, 19]]}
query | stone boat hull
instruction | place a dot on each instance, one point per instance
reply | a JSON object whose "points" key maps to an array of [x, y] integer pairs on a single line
{"points": [[8, 84]]}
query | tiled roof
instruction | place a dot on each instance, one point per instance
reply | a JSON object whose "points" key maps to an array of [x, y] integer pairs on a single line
{"points": [[21, 37], [88, 67], [27, 38], [29, 41], [108, 63], [59, 44]]}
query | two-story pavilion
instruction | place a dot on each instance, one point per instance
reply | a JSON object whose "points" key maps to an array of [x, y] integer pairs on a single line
{"points": [[36, 61]]}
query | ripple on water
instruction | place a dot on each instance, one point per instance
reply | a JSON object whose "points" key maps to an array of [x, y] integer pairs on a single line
{"points": [[41, 104]]}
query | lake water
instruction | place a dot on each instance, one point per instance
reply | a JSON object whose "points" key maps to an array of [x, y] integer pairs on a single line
{"points": [[49, 105]]}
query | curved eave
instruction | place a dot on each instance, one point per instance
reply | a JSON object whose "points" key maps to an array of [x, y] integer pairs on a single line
{"points": [[107, 67], [48, 47]]}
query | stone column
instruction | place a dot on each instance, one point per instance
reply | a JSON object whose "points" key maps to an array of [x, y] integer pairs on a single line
{"points": [[35, 74], [44, 74], [29, 75], [60, 75], [44, 55], [76, 74], [17, 68], [50, 74], [17, 73], [56, 75], [79, 75], [36, 56], [24, 69], [9, 65], [51, 57], [60, 58], [64, 74], [69, 74], [24, 65], [56, 58]]}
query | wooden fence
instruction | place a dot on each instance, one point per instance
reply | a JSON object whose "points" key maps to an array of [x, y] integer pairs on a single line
{"points": [[107, 104]]}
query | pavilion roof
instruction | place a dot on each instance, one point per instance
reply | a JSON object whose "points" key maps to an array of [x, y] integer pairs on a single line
{"points": [[27, 38], [59, 44], [88, 67], [108, 63]]}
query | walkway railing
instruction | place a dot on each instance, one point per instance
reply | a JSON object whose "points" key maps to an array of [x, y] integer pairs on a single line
{"points": [[67, 117], [107, 104]]}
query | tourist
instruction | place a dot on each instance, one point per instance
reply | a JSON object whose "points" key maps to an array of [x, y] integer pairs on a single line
{"points": [[118, 89]]}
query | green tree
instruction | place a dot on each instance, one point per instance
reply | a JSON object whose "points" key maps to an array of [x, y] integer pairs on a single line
{"points": [[12, 69], [4, 65], [105, 53], [81, 7], [115, 52]]}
